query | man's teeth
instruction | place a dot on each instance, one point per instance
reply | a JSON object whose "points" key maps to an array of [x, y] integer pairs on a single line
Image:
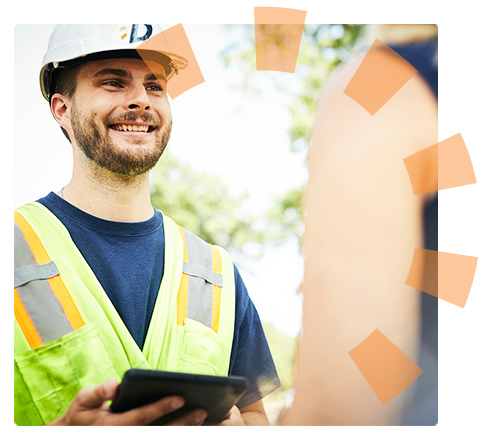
{"points": [[130, 128]]}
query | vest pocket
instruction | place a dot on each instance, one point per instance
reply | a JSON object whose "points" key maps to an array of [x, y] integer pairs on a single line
{"points": [[199, 347], [53, 374]]}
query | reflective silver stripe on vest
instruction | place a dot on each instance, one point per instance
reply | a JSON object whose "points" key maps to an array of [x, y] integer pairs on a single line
{"points": [[201, 280], [192, 269], [29, 273], [38, 298]]}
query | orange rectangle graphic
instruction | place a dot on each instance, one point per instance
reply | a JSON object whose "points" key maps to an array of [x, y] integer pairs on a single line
{"points": [[443, 275], [381, 74], [278, 33], [441, 166], [174, 40], [384, 366]]}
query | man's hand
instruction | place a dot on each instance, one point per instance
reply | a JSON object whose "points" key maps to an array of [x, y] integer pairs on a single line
{"points": [[90, 408]]}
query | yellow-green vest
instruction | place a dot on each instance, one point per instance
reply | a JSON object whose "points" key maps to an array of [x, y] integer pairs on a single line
{"points": [[68, 335]]}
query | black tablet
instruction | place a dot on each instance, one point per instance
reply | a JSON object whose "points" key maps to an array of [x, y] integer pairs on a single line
{"points": [[217, 395]]}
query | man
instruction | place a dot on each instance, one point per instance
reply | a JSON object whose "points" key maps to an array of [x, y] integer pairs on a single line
{"points": [[103, 281]]}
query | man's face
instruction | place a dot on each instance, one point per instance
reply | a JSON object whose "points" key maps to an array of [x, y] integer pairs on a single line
{"points": [[120, 115]]}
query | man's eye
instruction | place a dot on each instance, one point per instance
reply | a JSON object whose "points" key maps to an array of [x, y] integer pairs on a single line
{"points": [[155, 88], [112, 83]]}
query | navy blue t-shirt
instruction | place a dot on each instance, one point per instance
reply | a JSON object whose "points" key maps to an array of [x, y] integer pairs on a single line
{"points": [[128, 261]]}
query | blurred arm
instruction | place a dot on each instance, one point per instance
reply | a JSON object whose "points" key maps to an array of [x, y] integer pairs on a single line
{"points": [[362, 225]]}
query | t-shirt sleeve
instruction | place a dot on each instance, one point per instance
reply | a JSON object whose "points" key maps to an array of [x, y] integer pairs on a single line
{"points": [[250, 354]]}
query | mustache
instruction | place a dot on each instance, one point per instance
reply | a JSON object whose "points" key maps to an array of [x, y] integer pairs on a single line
{"points": [[133, 116]]}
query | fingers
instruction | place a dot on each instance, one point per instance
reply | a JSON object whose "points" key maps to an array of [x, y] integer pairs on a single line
{"points": [[90, 407], [93, 397], [147, 414]]}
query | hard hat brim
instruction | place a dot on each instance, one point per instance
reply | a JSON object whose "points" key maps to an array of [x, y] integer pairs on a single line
{"points": [[171, 62]]}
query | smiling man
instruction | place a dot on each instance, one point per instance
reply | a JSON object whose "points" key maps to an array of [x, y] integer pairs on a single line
{"points": [[105, 88], [104, 282]]}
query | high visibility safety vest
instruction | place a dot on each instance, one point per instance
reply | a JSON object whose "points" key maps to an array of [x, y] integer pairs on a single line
{"points": [[69, 336]]}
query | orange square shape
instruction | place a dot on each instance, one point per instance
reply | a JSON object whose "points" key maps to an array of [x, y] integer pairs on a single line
{"points": [[384, 366], [379, 77], [448, 161], [443, 275], [278, 33], [174, 40]]}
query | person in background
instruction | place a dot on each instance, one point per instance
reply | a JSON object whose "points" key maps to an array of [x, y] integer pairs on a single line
{"points": [[363, 223]]}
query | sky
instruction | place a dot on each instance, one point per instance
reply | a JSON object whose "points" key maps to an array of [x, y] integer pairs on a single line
{"points": [[41, 157]]}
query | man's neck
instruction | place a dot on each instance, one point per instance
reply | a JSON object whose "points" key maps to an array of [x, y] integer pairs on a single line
{"points": [[110, 197]]}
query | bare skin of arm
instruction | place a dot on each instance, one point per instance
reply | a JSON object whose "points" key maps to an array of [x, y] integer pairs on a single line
{"points": [[363, 223], [254, 415]]}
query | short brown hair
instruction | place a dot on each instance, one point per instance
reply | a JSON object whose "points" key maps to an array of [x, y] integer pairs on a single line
{"points": [[64, 81]]}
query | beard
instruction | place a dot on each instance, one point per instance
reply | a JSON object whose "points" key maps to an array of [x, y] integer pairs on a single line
{"points": [[97, 145]]}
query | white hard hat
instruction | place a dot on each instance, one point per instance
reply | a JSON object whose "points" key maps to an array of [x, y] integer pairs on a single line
{"points": [[70, 45]]}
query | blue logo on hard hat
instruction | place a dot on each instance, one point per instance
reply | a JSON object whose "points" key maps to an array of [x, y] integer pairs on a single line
{"points": [[135, 29]]}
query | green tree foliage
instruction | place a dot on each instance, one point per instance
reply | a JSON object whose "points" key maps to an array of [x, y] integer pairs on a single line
{"points": [[202, 204], [323, 48], [283, 350]]}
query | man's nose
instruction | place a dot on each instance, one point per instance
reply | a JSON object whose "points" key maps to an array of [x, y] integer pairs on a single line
{"points": [[138, 99]]}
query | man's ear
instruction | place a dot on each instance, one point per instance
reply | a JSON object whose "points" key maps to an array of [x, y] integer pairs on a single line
{"points": [[60, 107]]}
